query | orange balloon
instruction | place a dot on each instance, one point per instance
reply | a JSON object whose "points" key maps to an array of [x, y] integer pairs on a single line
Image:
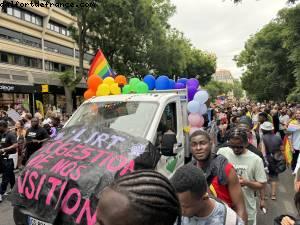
{"points": [[93, 82], [88, 94], [121, 80]]}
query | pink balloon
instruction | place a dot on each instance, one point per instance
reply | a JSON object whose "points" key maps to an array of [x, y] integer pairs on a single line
{"points": [[196, 120], [194, 129]]}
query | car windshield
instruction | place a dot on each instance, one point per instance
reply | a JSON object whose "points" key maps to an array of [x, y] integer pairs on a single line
{"points": [[130, 117]]}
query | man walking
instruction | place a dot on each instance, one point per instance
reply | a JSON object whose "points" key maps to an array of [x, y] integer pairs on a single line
{"points": [[8, 145], [249, 167]]}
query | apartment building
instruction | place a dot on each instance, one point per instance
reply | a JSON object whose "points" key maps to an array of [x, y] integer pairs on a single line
{"points": [[35, 44]]}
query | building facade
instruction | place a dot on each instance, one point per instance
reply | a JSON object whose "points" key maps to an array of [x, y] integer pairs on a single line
{"points": [[35, 44], [223, 75]]}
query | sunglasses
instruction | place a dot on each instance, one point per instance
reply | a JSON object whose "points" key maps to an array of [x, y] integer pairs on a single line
{"points": [[236, 146]]}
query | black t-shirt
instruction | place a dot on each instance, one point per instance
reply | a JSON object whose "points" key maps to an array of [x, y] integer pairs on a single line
{"points": [[272, 143], [35, 134], [7, 139]]}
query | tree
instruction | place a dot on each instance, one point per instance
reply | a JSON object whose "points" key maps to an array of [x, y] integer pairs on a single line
{"points": [[290, 18], [269, 71], [202, 64], [216, 88], [237, 89], [69, 81], [79, 32], [288, 1]]}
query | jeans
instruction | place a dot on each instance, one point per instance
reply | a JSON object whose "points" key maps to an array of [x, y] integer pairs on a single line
{"points": [[8, 176]]}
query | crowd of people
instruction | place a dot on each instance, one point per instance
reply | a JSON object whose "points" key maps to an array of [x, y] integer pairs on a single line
{"points": [[238, 152], [20, 139]]}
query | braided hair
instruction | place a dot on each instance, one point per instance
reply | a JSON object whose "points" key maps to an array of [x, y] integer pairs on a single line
{"points": [[152, 195], [238, 133]]}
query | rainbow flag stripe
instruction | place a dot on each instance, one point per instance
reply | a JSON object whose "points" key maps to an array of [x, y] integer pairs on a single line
{"points": [[100, 66], [287, 149]]}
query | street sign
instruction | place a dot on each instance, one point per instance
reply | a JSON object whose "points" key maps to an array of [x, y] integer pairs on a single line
{"points": [[45, 88]]}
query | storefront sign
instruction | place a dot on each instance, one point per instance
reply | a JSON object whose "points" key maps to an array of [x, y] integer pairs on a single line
{"points": [[6, 88], [45, 88]]}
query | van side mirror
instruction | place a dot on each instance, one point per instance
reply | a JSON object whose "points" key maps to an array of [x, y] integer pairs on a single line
{"points": [[168, 143]]}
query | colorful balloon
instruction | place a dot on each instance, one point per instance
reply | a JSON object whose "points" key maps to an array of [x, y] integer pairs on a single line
{"points": [[115, 89], [142, 87], [109, 81], [121, 80], [192, 82], [171, 84], [179, 86], [93, 82], [126, 89], [134, 81], [203, 109], [195, 120], [191, 92], [193, 107], [183, 81], [162, 83], [150, 81], [201, 96], [103, 90], [89, 93]]}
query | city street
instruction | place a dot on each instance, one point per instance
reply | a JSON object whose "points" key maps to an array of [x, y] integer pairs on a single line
{"points": [[284, 204]]}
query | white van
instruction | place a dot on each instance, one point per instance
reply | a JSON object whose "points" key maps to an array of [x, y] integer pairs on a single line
{"points": [[144, 115]]}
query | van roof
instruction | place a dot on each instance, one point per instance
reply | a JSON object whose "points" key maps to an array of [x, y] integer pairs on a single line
{"points": [[149, 97]]}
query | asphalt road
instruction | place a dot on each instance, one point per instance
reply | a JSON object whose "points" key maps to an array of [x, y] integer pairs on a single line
{"points": [[283, 205]]}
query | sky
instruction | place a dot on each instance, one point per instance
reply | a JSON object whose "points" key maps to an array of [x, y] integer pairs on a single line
{"points": [[222, 27]]}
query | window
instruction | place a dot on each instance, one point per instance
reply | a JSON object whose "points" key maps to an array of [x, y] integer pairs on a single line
{"points": [[168, 122], [17, 60], [63, 31], [68, 33], [17, 13], [27, 17], [10, 11], [4, 57], [56, 67], [49, 26], [33, 20], [56, 28], [38, 21]]}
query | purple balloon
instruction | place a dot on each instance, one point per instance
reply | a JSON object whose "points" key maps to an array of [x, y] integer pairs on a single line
{"points": [[192, 82], [191, 92], [179, 86]]}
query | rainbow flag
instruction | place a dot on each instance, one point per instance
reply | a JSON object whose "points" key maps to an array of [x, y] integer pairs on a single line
{"points": [[100, 66], [287, 150]]}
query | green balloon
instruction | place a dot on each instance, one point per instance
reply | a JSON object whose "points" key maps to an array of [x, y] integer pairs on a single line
{"points": [[126, 89], [142, 87], [133, 82]]}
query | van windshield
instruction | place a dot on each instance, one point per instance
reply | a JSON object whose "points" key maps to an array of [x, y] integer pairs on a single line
{"points": [[133, 118]]}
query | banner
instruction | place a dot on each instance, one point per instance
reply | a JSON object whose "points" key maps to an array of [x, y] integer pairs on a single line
{"points": [[61, 181]]}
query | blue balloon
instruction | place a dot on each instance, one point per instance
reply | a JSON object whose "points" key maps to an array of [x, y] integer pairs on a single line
{"points": [[183, 81], [193, 107], [172, 84], [203, 109], [179, 86], [150, 81], [162, 83], [201, 96]]}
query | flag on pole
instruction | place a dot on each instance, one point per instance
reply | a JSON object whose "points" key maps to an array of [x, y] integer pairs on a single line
{"points": [[100, 66], [287, 149], [40, 107]]}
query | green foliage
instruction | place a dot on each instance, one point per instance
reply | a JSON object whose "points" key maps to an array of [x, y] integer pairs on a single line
{"points": [[216, 88], [136, 38], [237, 89], [288, 1], [269, 70], [69, 79]]}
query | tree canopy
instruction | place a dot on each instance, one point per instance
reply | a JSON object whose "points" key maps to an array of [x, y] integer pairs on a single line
{"points": [[271, 58]]}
